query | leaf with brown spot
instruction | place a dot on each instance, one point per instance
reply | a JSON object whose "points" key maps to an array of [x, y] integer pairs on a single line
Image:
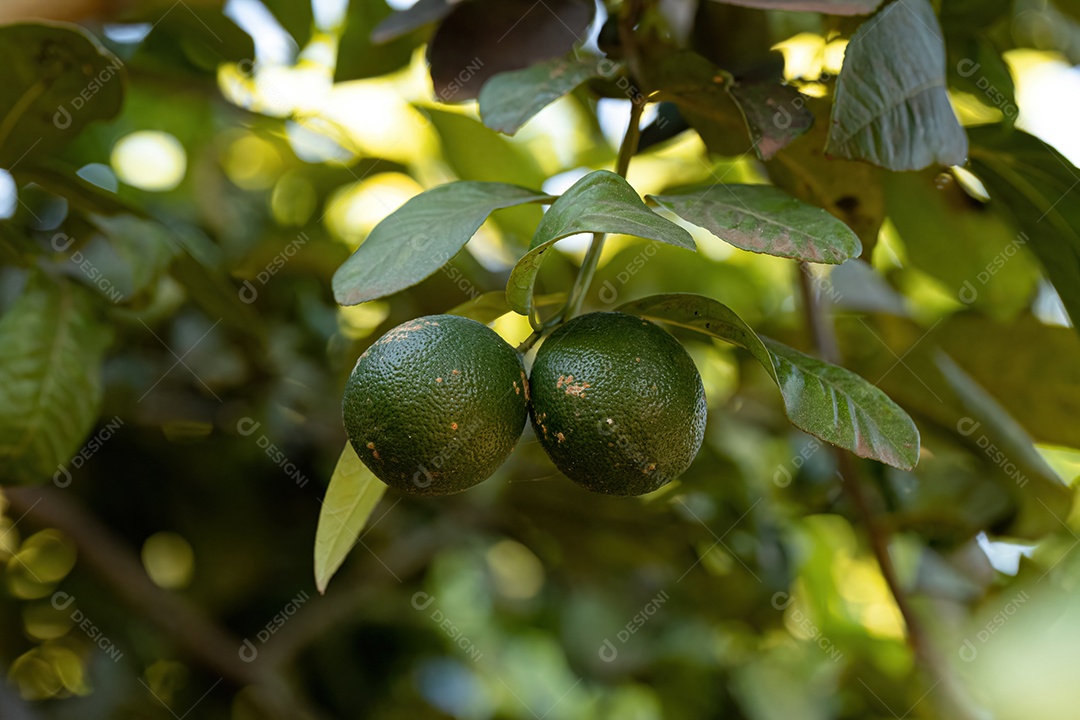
{"points": [[765, 219]]}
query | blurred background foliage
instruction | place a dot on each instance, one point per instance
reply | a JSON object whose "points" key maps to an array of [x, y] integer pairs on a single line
{"points": [[168, 244]]}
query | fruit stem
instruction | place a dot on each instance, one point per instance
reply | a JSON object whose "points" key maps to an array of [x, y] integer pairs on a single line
{"points": [[592, 255], [824, 339]]}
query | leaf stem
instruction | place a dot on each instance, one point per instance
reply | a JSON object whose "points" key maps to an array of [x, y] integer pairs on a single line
{"points": [[824, 340]]}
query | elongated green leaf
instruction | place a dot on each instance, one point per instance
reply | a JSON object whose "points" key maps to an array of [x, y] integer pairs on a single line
{"points": [[51, 349], [508, 100], [57, 78], [600, 202], [350, 499], [824, 400], [419, 237], [891, 106], [1036, 187], [765, 219]]}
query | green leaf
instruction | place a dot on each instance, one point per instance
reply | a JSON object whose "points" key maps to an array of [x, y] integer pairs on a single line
{"points": [[829, 7], [295, 17], [421, 236], [765, 219], [350, 499], [363, 54], [600, 202], [775, 114], [508, 100], [51, 349], [977, 67], [825, 400], [57, 79], [850, 190], [1032, 184], [891, 107]]}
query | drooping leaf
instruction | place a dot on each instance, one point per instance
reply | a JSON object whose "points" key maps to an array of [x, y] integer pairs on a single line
{"points": [[482, 38], [765, 219], [402, 22], [1036, 187], [600, 202], [419, 237], [57, 79], [829, 7], [891, 107], [825, 400], [775, 114], [350, 499], [51, 349], [508, 100], [851, 191]]}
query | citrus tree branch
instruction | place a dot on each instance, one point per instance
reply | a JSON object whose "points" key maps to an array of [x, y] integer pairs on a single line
{"points": [[824, 341]]}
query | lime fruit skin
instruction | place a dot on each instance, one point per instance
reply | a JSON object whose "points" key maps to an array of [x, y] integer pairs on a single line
{"points": [[617, 403], [436, 405]]}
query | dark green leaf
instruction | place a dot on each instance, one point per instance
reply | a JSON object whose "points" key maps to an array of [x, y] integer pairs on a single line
{"points": [[765, 219], [775, 114], [1035, 186], [350, 499], [829, 7], [508, 100], [57, 79], [421, 236], [975, 66], [891, 106], [51, 349], [600, 202], [824, 400], [949, 235], [482, 38]]}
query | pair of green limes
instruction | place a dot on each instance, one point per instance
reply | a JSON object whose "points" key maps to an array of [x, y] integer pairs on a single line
{"points": [[436, 404]]}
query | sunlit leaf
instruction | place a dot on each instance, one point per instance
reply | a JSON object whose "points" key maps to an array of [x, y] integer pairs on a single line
{"points": [[600, 202], [421, 236], [824, 400], [350, 499], [765, 219]]}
